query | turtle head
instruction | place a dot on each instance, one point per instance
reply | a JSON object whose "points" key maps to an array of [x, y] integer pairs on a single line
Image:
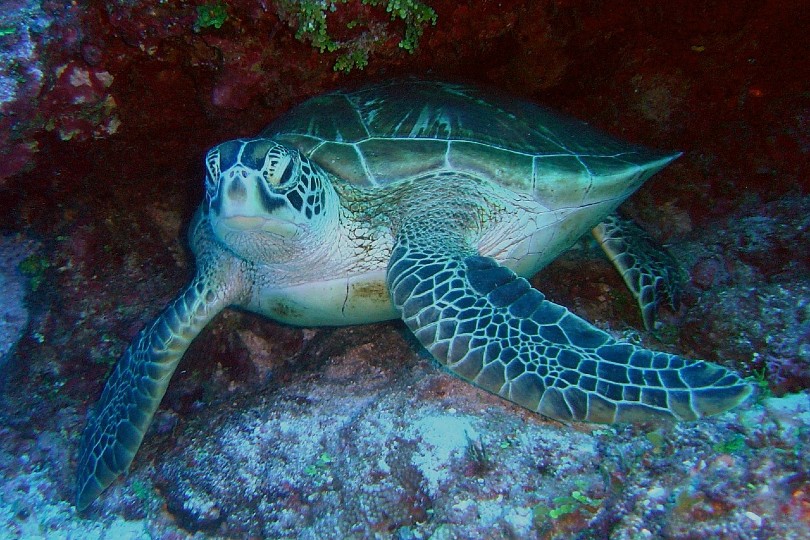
{"points": [[264, 198]]}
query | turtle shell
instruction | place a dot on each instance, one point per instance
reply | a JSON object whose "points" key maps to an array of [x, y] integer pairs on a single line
{"points": [[398, 130]]}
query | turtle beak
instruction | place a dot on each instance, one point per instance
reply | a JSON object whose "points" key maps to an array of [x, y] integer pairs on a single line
{"points": [[229, 225], [243, 205]]}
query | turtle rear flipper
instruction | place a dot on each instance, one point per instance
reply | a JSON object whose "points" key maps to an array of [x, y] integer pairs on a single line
{"points": [[649, 271], [490, 327]]}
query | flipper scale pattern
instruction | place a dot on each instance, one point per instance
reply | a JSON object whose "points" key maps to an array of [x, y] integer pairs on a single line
{"points": [[492, 328], [649, 271], [135, 388]]}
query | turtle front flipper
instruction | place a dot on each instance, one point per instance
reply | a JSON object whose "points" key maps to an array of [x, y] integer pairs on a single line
{"points": [[133, 392], [650, 272], [490, 327]]}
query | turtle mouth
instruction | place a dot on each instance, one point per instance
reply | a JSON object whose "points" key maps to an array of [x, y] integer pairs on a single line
{"points": [[278, 227]]}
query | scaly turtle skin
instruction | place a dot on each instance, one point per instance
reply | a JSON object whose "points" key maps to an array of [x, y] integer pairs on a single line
{"points": [[430, 202]]}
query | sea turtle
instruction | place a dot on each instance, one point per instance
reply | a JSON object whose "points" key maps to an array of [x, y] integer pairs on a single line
{"points": [[430, 202]]}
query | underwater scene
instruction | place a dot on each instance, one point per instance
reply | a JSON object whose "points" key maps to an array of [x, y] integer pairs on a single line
{"points": [[407, 269]]}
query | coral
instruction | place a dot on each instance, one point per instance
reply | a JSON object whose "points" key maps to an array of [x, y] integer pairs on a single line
{"points": [[21, 80], [82, 103], [20, 67]]}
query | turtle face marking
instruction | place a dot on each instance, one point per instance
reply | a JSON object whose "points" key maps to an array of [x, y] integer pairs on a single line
{"points": [[259, 193], [258, 184]]}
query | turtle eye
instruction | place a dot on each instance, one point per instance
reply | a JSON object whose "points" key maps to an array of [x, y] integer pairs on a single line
{"points": [[278, 170], [287, 174]]}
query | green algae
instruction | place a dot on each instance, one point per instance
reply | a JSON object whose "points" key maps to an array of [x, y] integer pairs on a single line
{"points": [[211, 15], [311, 19]]}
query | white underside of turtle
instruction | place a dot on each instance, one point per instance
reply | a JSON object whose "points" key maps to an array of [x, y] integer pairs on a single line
{"points": [[429, 202]]}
